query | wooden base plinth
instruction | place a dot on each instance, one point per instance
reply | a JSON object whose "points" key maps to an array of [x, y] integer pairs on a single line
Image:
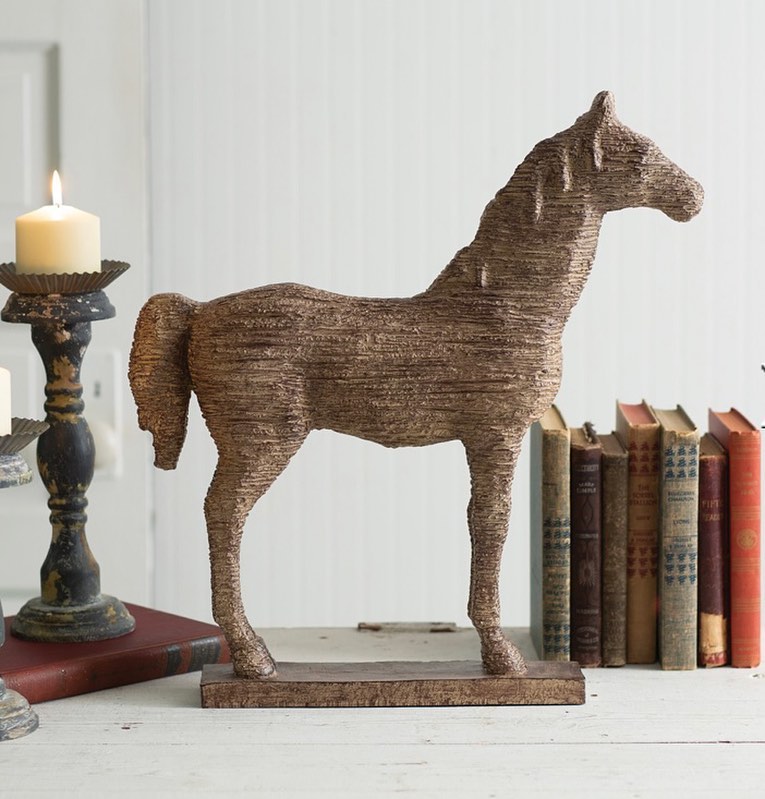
{"points": [[393, 684]]}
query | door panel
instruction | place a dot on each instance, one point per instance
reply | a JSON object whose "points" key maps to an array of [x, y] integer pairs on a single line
{"points": [[29, 134]]}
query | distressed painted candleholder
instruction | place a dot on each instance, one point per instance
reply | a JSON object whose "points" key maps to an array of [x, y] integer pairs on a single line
{"points": [[476, 357], [16, 716], [60, 309]]}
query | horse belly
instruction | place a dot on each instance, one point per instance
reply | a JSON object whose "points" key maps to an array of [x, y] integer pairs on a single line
{"points": [[406, 397], [391, 412]]}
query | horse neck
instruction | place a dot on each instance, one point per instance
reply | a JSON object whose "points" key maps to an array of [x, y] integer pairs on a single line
{"points": [[539, 266]]}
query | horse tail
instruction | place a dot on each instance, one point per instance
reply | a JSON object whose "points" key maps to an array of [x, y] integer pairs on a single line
{"points": [[159, 373]]}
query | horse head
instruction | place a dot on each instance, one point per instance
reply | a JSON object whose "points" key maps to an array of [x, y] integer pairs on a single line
{"points": [[627, 170]]}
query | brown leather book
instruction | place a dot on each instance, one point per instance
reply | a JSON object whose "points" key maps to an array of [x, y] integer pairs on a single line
{"points": [[714, 553], [613, 520], [550, 537], [161, 645], [586, 621], [742, 441], [638, 430], [678, 540]]}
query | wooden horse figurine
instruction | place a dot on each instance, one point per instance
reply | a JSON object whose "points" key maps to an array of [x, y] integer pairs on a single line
{"points": [[475, 357]]}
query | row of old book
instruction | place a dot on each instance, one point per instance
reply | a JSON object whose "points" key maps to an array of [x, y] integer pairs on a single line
{"points": [[645, 543]]}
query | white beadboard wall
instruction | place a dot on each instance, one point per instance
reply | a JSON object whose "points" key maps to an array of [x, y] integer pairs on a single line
{"points": [[353, 146]]}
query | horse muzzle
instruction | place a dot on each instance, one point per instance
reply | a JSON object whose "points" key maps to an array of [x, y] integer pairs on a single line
{"points": [[687, 200]]}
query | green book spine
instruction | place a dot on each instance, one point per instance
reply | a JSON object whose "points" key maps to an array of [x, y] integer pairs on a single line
{"points": [[550, 541]]}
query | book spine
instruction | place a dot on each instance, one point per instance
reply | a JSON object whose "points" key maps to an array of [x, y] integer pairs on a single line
{"points": [[586, 619], [679, 550], [713, 561], [555, 529], [744, 482], [642, 544], [614, 572]]}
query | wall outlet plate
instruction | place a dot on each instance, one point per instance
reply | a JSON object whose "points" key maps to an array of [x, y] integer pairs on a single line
{"points": [[101, 374]]}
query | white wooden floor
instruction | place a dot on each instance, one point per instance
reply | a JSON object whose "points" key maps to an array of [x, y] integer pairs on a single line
{"points": [[642, 732]]}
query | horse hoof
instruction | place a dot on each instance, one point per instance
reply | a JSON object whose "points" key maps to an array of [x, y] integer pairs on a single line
{"points": [[254, 663], [255, 671], [503, 658]]}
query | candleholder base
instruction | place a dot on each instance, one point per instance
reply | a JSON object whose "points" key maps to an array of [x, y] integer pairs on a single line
{"points": [[105, 617], [17, 718]]}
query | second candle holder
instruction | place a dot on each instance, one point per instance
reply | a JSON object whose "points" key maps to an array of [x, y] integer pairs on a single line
{"points": [[60, 309]]}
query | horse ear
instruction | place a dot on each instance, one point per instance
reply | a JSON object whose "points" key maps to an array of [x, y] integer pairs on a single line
{"points": [[602, 112], [603, 106]]}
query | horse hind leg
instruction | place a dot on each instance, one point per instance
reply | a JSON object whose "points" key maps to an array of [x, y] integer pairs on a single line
{"points": [[239, 481], [492, 465]]}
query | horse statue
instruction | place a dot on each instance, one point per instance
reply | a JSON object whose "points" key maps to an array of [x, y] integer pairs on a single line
{"points": [[475, 357]]}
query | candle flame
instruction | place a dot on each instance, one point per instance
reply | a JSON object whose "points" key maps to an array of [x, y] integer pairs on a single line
{"points": [[56, 189]]}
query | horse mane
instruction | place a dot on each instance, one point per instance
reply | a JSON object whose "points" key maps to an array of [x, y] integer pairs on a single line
{"points": [[553, 169]]}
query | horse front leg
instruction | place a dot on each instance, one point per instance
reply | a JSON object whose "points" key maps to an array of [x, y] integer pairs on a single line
{"points": [[232, 494], [492, 465]]}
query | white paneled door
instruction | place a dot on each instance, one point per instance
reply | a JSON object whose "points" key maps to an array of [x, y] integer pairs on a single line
{"points": [[72, 98]]}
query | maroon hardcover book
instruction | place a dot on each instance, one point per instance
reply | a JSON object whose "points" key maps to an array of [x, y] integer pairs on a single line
{"points": [[586, 613], [613, 520], [714, 554], [161, 645]]}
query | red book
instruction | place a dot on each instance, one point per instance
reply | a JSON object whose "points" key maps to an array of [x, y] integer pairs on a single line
{"points": [[742, 441], [161, 645]]}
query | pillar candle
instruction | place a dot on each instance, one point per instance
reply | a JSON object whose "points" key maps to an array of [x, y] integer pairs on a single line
{"points": [[58, 238], [5, 402]]}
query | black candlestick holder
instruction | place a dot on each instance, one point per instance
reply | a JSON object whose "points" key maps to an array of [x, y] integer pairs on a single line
{"points": [[16, 716], [60, 309]]}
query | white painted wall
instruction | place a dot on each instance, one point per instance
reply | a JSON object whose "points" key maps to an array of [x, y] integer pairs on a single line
{"points": [[353, 146]]}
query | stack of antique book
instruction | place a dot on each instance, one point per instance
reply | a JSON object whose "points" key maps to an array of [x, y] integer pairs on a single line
{"points": [[645, 543]]}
